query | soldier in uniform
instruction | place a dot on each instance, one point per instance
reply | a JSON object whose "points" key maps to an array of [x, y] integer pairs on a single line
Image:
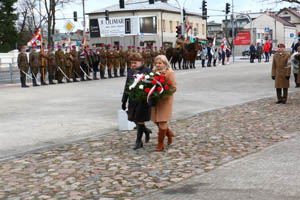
{"points": [[122, 55], [116, 61], [43, 66], [179, 43], [94, 54], [144, 55], [162, 51], [138, 50], [34, 62], [128, 52], [83, 63], [156, 51], [281, 72], [133, 49], [75, 64], [103, 61], [110, 58], [23, 66], [68, 64], [52, 67], [60, 61]]}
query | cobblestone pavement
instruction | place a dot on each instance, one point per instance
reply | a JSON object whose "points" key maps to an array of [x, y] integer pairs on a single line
{"points": [[107, 167]]}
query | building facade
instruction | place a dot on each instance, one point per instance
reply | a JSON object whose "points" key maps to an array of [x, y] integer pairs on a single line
{"points": [[142, 24]]}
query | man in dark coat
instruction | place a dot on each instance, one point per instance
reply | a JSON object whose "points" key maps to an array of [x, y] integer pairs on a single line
{"points": [[252, 53], [138, 112]]}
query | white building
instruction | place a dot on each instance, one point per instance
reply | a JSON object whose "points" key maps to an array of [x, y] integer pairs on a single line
{"points": [[142, 24]]}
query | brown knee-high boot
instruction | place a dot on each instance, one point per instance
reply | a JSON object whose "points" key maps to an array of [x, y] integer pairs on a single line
{"points": [[161, 137], [170, 134]]}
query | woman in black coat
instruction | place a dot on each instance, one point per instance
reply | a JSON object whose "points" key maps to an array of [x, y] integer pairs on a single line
{"points": [[138, 112]]}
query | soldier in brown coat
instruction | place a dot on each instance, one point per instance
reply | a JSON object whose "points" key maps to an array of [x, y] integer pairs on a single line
{"points": [[110, 58], [60, 61], [128, 57], [162, 51], [34, 62], [281, 72], [83, 64], [75, 64], [23, 66], [43, 66], [68, 64], [51, 65], [116, 61], [103, 61], [122, 55]]}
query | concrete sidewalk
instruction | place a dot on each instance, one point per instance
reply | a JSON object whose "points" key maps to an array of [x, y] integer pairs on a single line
{"points": [[272, 174]]}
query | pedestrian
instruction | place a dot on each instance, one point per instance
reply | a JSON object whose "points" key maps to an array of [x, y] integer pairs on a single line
{"points": [[220, 56], [267, 51], [252, 51], [34, 62], [228, 54], [23, 66], [138, 112], [161, 113], [209, 55], [203, 54], [295, 46], [215, 56], [281, 71], [259, 52], [295, 64], [223, 55]]}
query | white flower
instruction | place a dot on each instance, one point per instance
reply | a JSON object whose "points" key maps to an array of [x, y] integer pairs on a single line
{"points": [[151, 74], [147, 76], [157, 73], [141, 87]]}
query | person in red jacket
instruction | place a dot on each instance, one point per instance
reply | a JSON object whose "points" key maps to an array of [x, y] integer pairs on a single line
{"points": [[267, 51]]}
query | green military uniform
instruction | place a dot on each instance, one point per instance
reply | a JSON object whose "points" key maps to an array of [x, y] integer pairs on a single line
{"points": [[68, 66], [128, 53], [43, 65], [52, 67], [110, 58], [116, 62], [60, 61], [75, 65], [122, 55], [23, 66], [103, 62], [34, 62]]}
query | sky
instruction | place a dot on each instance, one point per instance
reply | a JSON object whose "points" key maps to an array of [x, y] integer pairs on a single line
{"points": [[192, 5]]}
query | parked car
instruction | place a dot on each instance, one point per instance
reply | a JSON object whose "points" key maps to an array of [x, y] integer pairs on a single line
{"points": [[246, 52]]}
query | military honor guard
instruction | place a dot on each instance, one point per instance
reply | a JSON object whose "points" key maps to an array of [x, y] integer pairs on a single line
{"points": [[23, 66], [110, 58], [83, 64], [75, 64], [34, 62], [281, 72], [43, 65], [68, 64], [103, 61], [128, 57], [122, 55], [116, 61], [60, 61], [52, 67]]}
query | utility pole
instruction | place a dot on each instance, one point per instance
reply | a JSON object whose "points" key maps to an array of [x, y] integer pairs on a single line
{"points": [[232, 23], [83, 8]]}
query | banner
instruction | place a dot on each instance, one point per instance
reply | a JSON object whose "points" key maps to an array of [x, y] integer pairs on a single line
{"points": [[243, 38], [114, 27], [36, 40], [94, 28]]}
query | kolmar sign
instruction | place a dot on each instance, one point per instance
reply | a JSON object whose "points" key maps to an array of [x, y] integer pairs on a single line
{"points": [[112, 28]]}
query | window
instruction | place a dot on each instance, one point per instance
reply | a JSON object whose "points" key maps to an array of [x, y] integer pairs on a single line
{"points": [[203, 33], [177, 23], [171, 27], [127, 26], [148, 25], [287, 18], [164, 25], [258, 35]]}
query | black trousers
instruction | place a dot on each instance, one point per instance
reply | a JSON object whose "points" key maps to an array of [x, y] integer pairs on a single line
{"points": [[296, 78], [215, 62], [279, 94], [203, 63], [252, 57], [259, 57], [209, 61]]}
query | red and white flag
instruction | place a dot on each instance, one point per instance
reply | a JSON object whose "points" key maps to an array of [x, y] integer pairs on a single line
{"points": [[36, 39], [214, 41], [224, 44]]}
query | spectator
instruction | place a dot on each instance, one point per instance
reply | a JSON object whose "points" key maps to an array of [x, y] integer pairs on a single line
{"points": [[259, 51], [295, 47], [209, 55], [295, 64], [267, 51], [252, 53], [228, 54], [203, 54], [215, 56]]}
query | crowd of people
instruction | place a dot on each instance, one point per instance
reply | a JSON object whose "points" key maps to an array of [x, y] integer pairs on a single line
{"points": [[70, 65], [215, 56], [258, 51]]}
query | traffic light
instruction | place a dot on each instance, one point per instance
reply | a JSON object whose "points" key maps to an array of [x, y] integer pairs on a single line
{"points": [[298, 34], [75, 16], [122, 4], [106, 15], [183, 14], [227, 8], [204, 9], [178, 31], [151, 1]]}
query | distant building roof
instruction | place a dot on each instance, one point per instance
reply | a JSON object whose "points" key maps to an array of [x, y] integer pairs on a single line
{"points": [[294, 12], [63, 36], [283, 21], [213, 24], [142, 5]]}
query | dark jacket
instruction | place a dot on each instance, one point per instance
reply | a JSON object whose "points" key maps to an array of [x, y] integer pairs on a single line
{"points": [[252, 50], [137, 111]]}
